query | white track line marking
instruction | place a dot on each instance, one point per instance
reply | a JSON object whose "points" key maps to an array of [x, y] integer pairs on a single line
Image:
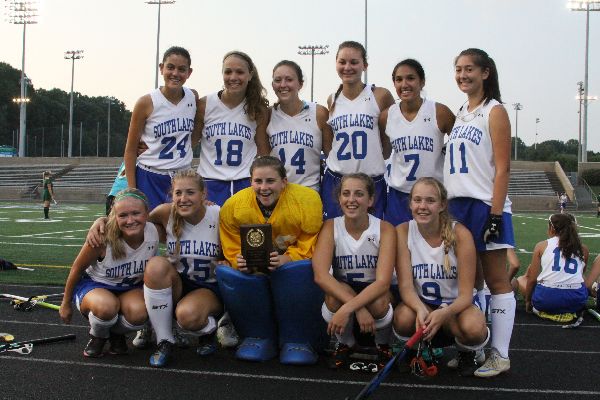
{"points": [[306, 380], [44, 244]]}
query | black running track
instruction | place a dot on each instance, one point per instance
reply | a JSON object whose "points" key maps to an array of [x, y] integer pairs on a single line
{"points": [[547, 363]]}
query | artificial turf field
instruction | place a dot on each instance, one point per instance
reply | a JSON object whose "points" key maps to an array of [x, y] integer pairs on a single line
{"points": [[547, 362]]}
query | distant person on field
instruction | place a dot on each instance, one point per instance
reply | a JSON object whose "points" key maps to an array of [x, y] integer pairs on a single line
{"points": [[598, 199], [48, 193], [106, 282], [119, 184], [563, 199]]}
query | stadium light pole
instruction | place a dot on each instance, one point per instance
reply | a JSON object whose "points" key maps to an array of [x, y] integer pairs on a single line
{"points": [[537, 121], [587, 6], [582, 98], [366, 70], [160, 3], [72, 55], [518, 107], [22, 13], [312, 50]]}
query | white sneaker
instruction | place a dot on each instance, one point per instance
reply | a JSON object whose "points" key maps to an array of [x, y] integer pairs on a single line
{"points": [[479, 358], [494, 365], [226, 334], [142, 338]]}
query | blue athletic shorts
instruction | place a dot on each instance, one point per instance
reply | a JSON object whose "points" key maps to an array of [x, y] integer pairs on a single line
{"points": [[189, 285], [331, 207], [397, 207], [219, 191], [155, 186], [474, 214], [559, 301], [87, 284]]}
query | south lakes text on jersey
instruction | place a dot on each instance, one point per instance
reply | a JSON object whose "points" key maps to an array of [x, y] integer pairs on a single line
{"points": [[228, 129], [172, 126], [351, 120]]}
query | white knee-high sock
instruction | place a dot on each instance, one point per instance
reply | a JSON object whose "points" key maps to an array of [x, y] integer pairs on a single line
{"points": [[123, 326], [209, 328], [99, 327], [159, 304], [502, 308], [347, 337], [383, 327]]}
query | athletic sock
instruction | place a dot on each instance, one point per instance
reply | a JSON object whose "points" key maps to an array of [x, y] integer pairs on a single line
{"points": [[46, 211], [123, 326], [100, 328], [383, 327], [159, 304], [209, 328], [502, 308], [347, 337]]}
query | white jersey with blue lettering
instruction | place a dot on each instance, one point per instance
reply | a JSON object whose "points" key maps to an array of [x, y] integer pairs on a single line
{"points": [[432, 283], [168, 132], [356, 260], [356, 143], [416, 146], [128, 270], [227, 147], [297, 141], [199, 246], [558, 272], [469, 169]]}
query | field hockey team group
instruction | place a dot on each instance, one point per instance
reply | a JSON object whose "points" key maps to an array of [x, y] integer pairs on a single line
{"points": [[372, 244]]}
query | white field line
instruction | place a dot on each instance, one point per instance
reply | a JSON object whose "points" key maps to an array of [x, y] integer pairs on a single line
{"points": [[44, 234], [302, 380]]}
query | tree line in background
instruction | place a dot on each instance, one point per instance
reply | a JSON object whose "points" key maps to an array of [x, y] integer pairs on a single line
{"points": [[47, 127], [48, 123]]}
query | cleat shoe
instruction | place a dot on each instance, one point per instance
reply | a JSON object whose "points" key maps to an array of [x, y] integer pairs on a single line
{"points": [[143, 338], [340, 356], [118, 344], [95, 347], [384, 354], [182, 340], [466, 363], [479, 358], [161, 356], [207, 345], [226, 333], [494, 365]]}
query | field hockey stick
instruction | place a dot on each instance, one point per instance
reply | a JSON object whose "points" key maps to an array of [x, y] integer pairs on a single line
{"points": [[385, 371], [55, 202], [577, 322], [25, 346], [33, 300], [594, 313], [20, 299]]}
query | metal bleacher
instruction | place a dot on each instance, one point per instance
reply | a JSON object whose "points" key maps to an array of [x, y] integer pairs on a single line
{"points": [[530, 183]]}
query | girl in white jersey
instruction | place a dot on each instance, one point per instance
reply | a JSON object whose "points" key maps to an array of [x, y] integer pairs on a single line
{"points": [[476, 173], [357, 145], [233, 123], [106, 281], [164, 121], [554, 283], [416, 128], [436, 274], [360, 248], [183, 284], [296, 127]]}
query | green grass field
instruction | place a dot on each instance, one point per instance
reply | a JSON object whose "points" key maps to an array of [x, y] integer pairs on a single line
{"points": [[51, 246]]}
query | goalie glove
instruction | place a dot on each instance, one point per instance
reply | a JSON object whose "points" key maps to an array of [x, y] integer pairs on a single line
{"points": [[492, 228]]}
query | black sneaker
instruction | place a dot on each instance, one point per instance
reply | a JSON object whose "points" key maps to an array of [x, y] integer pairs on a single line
{"points": [[207, 344], [162, 355], [466, 363], [384, 354], [95, 347], [118, 344], [340, 356]]}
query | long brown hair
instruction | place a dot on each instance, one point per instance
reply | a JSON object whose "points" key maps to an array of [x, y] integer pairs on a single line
{"points": [[446, 222], [565, 228]]}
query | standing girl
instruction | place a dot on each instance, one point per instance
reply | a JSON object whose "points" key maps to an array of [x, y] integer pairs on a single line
{"points": [[553, 283], [233, 122], [48, 192], [416, 129], [357, 145], [436, 274], [164, 121], [361, 249], [296, 127], [476, 173], [183, 284], [106, 281]]}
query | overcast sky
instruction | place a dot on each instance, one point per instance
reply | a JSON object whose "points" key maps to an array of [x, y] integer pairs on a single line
{"points": [[538, 45]]}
